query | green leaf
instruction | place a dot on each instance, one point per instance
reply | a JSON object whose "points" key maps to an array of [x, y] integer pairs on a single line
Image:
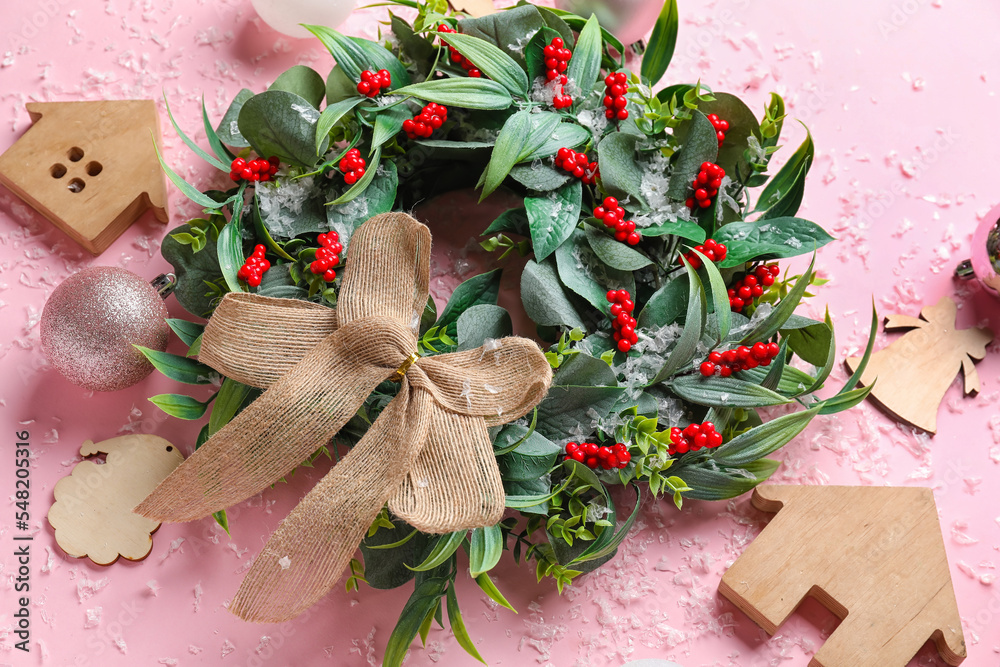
{"points": [[228, 129], [666, 305], [374, 163], [179, 368], [458, 626], [585, 272], [189, 190], [521, 135], [554, 22], [724, 392], [193, 270], [540, 178], [513, 220], [742, 124], [532, 459], [230, 250], [553, 217], [445, 546], [660, 49], [422, 603], [761, 440], [482, 322], [699, 143], [467, 93], [415, 47], [198, 150], [722, 483], [578, 22], [694, 324], [771, 324], [544, 298], [386, 568], [583, 370], [493, 62], [770, 239], [844, 400], [485, 548], [331, 116], [380, 195], [388, 123], [788, 204], [180, 406], [811, 343], [281, 124], [490, 589], [621, 176], [792, 382], [233, 396], [260, 230], [476, 291], [720, 297], [567, 409], [302, 81], [506, 29], [186, 331], [534, 52], [602, 549], [569, 135], [218, 149], [354, 55], [614, 253], [684, 229], [785, 180], [585, 65]]}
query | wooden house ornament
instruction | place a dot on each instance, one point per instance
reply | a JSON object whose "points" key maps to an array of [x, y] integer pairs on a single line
{"points": [[89, 167], [874, 556]]}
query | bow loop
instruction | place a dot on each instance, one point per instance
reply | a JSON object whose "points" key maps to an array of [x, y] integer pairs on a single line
{"points": [[378, 341]]}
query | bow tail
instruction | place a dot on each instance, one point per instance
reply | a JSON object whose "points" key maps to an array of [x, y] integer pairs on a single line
{"points": [[309, 551], [455, 483], [292, 419]]}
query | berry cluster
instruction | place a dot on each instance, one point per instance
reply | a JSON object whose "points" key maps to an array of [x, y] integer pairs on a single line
{"points": [[706, 185], [257, 169], [430, 118], [592, 456], [721, 127], [741, 359], [577, 164], [624, 324], [712, 250], [352, 166], [613, 216], [693, 437], [327, 256], [751, 286], [457, 57], [614, 96], [556, 60], [372, 83], [253, 269]]}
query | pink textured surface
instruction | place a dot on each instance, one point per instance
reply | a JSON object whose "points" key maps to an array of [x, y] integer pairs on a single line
{"points": [[900, 97]]}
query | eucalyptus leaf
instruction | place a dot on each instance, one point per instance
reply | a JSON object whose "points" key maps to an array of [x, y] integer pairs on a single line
{"points": [[573, 410], [532, 459], [614, 253], [303, 81], [666, 305], [544, 297], [477, 290], [481, 322], [553, 217], [583, 271], [540, 178], [513, 220], [763, 240], [742, 125], [386, 568], [193, 270], [282, 124], [228, 130]]}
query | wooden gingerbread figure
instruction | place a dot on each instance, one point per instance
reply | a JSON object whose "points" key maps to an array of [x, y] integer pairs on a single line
{"points": [[92, 515], [915, 371]]}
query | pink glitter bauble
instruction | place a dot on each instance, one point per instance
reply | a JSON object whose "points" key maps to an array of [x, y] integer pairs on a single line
{"points": [[91, 321]]}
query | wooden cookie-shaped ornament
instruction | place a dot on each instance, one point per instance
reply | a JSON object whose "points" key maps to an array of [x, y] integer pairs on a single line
{"points": [[92, 515]]}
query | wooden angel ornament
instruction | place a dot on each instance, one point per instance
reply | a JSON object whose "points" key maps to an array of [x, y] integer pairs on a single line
{"points": [[92, 515], [915, 371]]}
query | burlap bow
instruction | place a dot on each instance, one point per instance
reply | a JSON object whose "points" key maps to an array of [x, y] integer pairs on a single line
{"points": [[428, 453]]}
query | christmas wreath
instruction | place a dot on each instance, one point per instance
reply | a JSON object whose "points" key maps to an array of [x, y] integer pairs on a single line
{"points": [[652, 281]]}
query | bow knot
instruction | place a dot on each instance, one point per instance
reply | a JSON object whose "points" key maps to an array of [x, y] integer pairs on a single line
{"points": [[428, 454]]}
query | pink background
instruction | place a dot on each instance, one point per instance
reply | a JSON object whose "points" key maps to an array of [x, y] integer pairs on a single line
{"points": [[900, 97]]}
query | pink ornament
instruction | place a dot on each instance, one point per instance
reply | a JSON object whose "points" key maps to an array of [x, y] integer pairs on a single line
{"points": [[985, 261], [91, 321]]}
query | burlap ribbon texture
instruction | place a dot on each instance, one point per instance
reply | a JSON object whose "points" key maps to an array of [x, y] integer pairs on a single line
{"points": [[428, 454]]}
